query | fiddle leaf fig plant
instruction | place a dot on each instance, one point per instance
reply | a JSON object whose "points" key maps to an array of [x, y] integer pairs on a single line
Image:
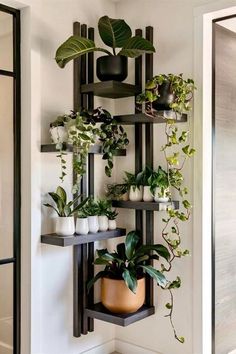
{"points": [[115, 33]]}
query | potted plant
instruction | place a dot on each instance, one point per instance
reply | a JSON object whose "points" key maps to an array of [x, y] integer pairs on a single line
{"points": [[167, 92], [117, 191], [115, 33], [112, 215], [91, 210], [135, 189], [65, 224], [144, 178], [103, 206], [159, 185], [82, 225], [58, 131], [123, 278]]}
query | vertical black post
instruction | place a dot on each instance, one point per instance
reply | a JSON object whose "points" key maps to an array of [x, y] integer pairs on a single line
{"points": [[138, 136], [149, 162], [77, 250], [90, 181], [84, 191]]}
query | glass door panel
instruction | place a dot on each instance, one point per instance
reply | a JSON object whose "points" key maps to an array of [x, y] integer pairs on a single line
{"points": [[6, 166]]}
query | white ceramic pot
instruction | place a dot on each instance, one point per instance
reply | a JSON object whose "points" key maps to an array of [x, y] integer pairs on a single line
{"points": [[147, 194], [112, 224], [82, 226], [93, 224], [161, 197], [65, 226], [136, 194], [103, 222], [59, 135]]}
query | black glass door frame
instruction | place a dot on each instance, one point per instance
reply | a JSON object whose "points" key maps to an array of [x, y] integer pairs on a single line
{"points": [[16, 259]]}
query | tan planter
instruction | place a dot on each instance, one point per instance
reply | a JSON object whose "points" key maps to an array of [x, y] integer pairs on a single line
{"points": [[117, 298]]}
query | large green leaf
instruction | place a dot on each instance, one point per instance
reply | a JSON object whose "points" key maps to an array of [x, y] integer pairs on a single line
{"points": [[136, 46], [155, 274], [79, 206], [159, 249], [97, 276], [59, 202], [131, 242], [62, 194], [74, 47], [114, 32], [130, 280]]}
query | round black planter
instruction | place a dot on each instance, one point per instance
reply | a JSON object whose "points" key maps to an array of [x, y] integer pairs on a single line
{"points": [[165, 99], [111, 67]]}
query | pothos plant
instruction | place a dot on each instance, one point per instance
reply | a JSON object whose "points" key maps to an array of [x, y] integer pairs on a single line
{"points": [[178, 93], [83, 132], [176, 151]]}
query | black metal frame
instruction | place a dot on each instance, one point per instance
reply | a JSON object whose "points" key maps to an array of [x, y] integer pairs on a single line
{"points": [[16, 259], [213, 172]]}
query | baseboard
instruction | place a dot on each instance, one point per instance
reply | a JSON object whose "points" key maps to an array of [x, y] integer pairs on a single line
{"points": [[123, 347], [105, 348]]}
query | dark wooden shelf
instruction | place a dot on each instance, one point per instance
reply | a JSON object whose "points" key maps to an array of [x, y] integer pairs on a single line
{"points": [[111, 89], [95, 149], [140, 118], [99, 312], [64, 241], [155, 206]]}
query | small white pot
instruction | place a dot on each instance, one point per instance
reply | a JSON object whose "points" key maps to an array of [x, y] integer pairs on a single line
{"points": [[59, 135], [82, 226], [112, 224], [136, 194], [65, 226], [147, 194], [161, 197], [103, 222], [93, 224]]}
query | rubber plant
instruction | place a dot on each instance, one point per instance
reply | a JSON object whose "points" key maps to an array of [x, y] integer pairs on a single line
{"points": [[115, 33]]}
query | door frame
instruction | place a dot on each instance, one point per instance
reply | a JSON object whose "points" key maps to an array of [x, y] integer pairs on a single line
{"points": [[16, 259]]}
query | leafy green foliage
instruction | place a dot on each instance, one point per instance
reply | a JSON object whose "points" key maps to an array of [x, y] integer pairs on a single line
{"points": [[181, 89], [130, 261], [103, 206], [116, 191], [131, 180], [62, 208], [115, 33]]}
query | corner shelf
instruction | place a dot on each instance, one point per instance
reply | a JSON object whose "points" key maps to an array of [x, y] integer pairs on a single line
{"points": [[65, 241], [99, 312], [143, 118], [153, 206], [95, 149], [111, 89]]}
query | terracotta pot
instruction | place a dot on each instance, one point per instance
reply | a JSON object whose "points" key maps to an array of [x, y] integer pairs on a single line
{"points": [[117, 298]]}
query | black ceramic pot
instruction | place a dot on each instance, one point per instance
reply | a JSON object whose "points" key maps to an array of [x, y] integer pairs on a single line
{"points": [[111, 67], [165, 99]]}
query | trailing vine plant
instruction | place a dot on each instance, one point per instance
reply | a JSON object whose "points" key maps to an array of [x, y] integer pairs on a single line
{"points": [[171, 233]]}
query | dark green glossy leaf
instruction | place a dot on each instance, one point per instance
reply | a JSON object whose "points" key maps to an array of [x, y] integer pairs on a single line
{"points": [[130, 280], [114, 32], [93, 280], [156, 275], [136, 46], [131, 242], [74, 47]]}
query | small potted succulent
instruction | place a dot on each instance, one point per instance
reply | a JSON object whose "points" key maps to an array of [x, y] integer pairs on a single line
{"points": [[58, 130], [116, 191], [65, 224], [167, 92], [103, 207], [115, 33], [82, 225], [91, 210], [144, 178], [123, 278], [112, 215], [135, 189]]}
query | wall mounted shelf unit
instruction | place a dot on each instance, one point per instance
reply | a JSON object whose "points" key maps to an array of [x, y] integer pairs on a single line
{"points": [[95, 149], [84, 309]]}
